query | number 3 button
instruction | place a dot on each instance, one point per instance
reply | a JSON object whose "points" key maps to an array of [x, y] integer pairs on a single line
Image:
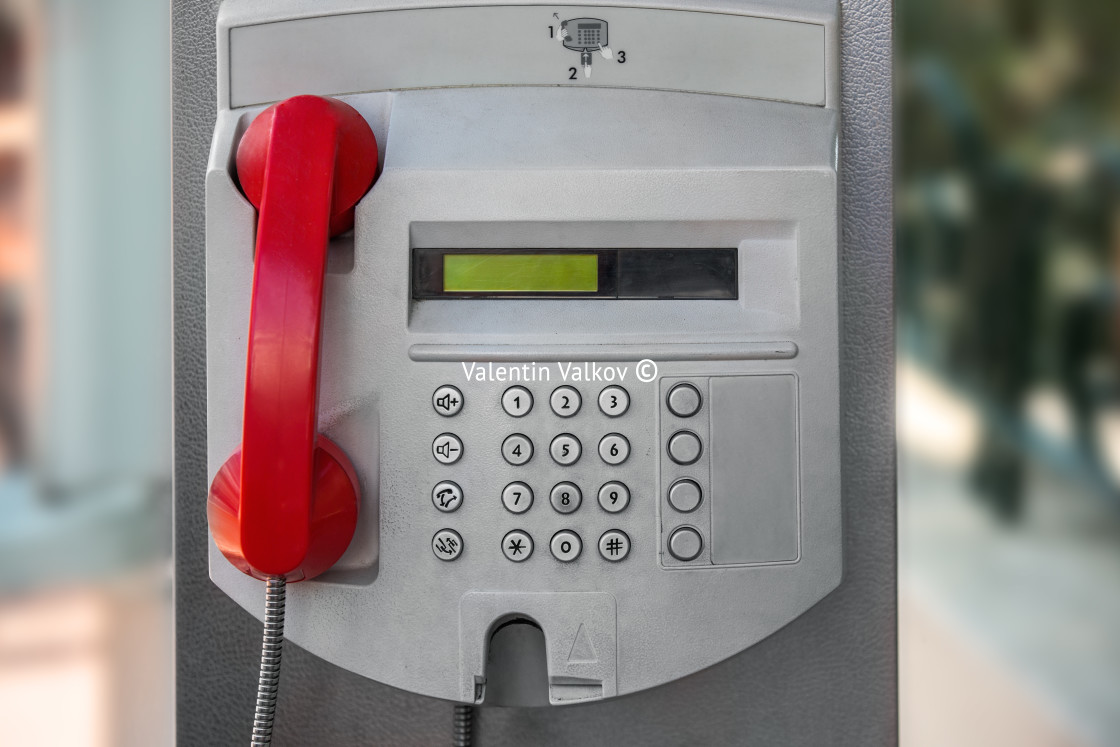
{"points": [[614, 448]]}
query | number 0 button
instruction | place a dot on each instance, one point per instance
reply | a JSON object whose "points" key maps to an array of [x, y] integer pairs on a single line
{"points": [[565, 401], [614, 401], [517, 449], [565, 449], [614, 448], [614, 497], [517, 497], [566, 546]]}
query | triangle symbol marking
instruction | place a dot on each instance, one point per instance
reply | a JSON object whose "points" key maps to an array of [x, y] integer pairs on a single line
{"points": [[582, 651]]}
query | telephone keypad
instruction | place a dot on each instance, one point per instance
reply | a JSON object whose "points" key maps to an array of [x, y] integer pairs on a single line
{"points": [[517, 401], [685, 543], [565, 546], [447, 544], [517, 449], [565, 497], [447, 448], [565, 401], [614, 401], [447, 400], [565, 449], [684, 400], [684, 447], [685, 495], [614, 497], [614, 448], [517, 546], [614, 545], [447, 496], [517, 497]]}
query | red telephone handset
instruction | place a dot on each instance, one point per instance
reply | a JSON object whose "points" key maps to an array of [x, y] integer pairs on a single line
{"points": [[286, 504]]}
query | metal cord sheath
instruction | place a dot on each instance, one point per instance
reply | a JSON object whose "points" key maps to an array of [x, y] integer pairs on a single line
{"points": [[271, 648]]}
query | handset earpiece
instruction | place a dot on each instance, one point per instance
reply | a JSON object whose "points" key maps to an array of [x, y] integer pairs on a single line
{"points": [[285, 505]]}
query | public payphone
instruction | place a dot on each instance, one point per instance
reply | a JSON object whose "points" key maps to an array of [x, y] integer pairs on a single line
{"points": [[575, 365]]}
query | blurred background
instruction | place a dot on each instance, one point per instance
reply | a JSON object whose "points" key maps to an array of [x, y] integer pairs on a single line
{"points": [[1008, 245]]}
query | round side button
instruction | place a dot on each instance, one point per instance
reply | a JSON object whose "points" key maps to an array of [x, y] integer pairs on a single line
{"points": [[565, 546], [447, 448], [614, 497], [614, 448], [614, 401], [447, 400], [565, 497], [447, 496], [447, 544], [565, 449], [684, 400], [685, 544], [685, 495], [517, 449], [517, 545], [517, 401], [684, 447], [565, 401], [614, 545], [517, 497]]}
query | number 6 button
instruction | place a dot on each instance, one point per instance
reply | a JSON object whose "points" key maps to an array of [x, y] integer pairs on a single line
{"points": [[614, 448]]}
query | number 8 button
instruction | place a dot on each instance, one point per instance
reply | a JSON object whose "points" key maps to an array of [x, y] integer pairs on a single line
{"points": [[565, 497]]}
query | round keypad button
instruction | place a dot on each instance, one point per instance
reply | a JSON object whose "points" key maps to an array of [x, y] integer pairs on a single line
{"points": [[684, 447], [517, 449], [684, 400], [565, 546], [447, 496], [685, 495], [565, 497], [614, 401], [614, 545], [565, 401], [447, 400], [517, 497], [517, 545], [447, 544], [565, 449], [614, 448], [614, 497], [685, 543], [447, 448], [517, 401]]}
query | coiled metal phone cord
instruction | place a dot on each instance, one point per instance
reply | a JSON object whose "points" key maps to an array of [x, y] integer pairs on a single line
{"points": [[464, 716], [271, 648]]}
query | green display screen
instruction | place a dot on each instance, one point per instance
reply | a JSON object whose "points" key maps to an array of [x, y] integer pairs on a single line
{"points": [[520, 273]]}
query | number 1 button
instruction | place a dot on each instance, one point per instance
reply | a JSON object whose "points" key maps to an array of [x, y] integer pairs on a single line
{"points": [[517, 401]]}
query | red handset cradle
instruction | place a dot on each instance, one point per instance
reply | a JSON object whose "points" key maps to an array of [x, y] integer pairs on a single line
{"points": [[286, 503]]}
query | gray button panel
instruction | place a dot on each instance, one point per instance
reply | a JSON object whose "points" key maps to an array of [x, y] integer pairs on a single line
{"points": [[685, 459]]}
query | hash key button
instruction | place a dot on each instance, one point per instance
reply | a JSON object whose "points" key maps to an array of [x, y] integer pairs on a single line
{"points": [[614, 545]]}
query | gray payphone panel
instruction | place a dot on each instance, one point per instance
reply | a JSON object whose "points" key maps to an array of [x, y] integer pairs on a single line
{"points": [[582, 345]]}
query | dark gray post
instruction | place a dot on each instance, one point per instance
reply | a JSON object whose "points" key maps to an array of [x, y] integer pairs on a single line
{"points": [[827, 678]]}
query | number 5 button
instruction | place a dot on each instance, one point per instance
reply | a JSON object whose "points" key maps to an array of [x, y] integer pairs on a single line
{"points": [[614, 448], [565, 449]]}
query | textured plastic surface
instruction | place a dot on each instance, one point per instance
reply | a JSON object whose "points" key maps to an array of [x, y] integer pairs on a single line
{"points": [[828, 677], [286, 503]]}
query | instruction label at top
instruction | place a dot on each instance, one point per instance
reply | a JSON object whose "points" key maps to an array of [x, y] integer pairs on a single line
{"points": [[506, 45]]}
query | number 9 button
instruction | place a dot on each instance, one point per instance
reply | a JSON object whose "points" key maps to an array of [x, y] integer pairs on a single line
{"points": [[614, 497]]}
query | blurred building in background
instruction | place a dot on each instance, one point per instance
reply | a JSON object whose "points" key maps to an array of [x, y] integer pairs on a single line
{"points": [[1008, 236], [1008, 253], [85, 373]]}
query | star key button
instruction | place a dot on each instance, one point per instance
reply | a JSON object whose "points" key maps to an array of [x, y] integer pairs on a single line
{"points": [[517, 546]]}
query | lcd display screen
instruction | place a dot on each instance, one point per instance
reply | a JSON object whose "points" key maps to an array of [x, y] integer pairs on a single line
{"points": [[520, 273]]}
